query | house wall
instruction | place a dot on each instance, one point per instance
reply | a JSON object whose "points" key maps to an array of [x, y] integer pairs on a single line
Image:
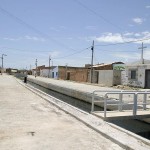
{"points": [[124, 77], [73, 73], [95, 76], [54, 73], [109, 77], [45, 72], [105, 77], [116, 77], [51, 73], [140, 75]]}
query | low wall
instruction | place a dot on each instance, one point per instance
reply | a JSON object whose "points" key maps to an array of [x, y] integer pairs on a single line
{"points": [[85, 96]]}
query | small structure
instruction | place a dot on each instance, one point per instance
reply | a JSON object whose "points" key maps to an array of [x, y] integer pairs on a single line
{"points": [[108, 74], [36, 71], [47, 72], [138, 74]]}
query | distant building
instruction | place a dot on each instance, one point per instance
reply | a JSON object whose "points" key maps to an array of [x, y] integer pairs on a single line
{"points": [[48, 72], [36, 71], [79, 74], [11, 71]]}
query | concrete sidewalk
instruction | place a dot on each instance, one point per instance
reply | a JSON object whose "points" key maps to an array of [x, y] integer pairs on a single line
{"points": [[27, 122]]}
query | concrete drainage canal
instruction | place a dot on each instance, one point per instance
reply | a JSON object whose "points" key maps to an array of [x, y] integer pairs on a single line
{"points": [[139, 127]]}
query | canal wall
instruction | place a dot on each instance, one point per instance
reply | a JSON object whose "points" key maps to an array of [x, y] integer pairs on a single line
{"points": [[67, 90]]}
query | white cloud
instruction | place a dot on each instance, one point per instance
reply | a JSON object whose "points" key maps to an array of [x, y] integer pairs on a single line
{"points": [[12, 39], [120, 38], [54, 54], [126, 55], [138, 20], [147, 6], [110, 38], [128, 33], [27, 37], [34, 38]]}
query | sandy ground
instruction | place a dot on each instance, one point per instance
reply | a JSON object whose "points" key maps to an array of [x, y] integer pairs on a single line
{"points": [[27, 122]]}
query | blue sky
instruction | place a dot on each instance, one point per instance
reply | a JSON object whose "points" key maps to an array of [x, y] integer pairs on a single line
{"points": [[35, 29]]}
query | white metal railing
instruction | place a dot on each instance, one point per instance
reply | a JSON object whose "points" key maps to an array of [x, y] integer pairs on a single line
{"points": [[120, 99]]}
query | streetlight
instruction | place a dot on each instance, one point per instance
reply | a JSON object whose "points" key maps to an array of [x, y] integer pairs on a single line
{"points": [[2, 61]]}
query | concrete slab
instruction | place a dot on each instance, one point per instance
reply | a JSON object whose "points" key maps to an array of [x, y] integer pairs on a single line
{"points": [[123, 115], [28, 122]]}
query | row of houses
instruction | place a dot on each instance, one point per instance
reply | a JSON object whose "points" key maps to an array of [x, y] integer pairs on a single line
{"points": [[135, 74]]}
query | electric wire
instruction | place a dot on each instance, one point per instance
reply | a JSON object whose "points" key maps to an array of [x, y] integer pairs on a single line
{"points": [[77, 52], [98, 15], [134, 41], [101, 17], [22, 22]]}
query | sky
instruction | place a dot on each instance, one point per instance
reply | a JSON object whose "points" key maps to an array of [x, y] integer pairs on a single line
{"points": [[65, 30]]}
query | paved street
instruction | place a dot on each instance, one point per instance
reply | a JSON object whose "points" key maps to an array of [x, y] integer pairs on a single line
{"points": [[27, 122]]}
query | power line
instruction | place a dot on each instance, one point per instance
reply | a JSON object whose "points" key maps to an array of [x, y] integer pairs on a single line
{"points": [[80, 51], [123, 42], [98, 15], [24, 50], [116, 50], [22, 22]]}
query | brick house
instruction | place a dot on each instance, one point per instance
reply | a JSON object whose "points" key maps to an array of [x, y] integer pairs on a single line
{"points": [[79, 74]]}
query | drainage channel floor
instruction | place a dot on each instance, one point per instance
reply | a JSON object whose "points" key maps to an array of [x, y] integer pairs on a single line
{"points": [[70, 100]]}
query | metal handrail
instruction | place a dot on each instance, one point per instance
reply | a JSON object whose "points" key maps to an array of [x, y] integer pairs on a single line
{"points": [[120, 93]]}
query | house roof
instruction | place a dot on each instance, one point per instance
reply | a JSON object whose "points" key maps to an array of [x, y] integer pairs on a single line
{"points": [[52, 67], [102, 64]]}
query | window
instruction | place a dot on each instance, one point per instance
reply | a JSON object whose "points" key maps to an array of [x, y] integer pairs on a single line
{"points": [[133, 74], [56, 74]]}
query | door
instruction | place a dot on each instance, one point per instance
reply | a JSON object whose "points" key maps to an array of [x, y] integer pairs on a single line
{"points": [[68, 75], [147, 79]]}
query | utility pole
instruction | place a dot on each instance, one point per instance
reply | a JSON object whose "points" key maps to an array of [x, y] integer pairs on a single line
{"points": [[49, 66], [92, 48], [66, 71], [2, 62], [142, 48], [36, 67]]}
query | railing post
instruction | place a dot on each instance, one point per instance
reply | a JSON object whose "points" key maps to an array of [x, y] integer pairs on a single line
{"points": [[105, 105], [120, 102], [135, 105], [92, 108], [144, 101]]}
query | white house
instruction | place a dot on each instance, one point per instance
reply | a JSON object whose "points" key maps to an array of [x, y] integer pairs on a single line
{"points": [[50, 72], [138, 74]]}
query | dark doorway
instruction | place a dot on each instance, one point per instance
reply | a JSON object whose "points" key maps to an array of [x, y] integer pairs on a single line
{"points": [[147, 79], [68, 75]]}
